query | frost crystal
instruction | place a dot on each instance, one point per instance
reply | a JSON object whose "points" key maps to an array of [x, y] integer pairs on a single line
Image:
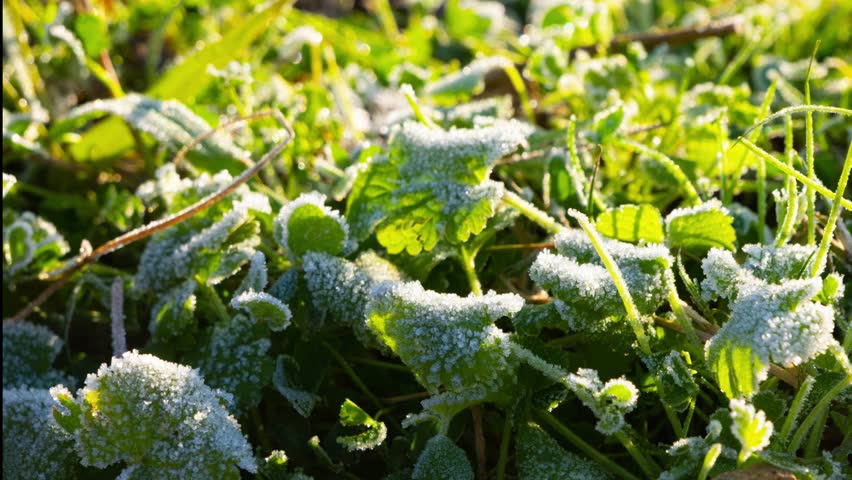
{"points": [[28, 353], [302, 401], [448, 341], [541, 458], [157, 417], [31, 244], [9, 181], [750, 427], [609, 401], [34, 446], [584, 290], [342, 288], [307, 224], [442, 460]]}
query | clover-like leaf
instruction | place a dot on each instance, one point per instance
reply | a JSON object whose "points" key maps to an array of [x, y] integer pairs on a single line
{"points": [[28, 354], [750, 427], [631, 223], [442, 460], [447, 341], [609, 401], [539, 457], [34, 445], [264, 308], [159, 419], [285, 382], [351, 415], [31, 245], [307, 225], [705, 226]]}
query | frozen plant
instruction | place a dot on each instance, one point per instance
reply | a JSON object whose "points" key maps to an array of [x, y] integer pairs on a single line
{"points": [[307, 225], [31, 245], [157, 418], [28, 354]]}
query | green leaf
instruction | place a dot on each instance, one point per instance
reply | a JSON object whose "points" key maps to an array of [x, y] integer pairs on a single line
{"points": [[738, 369], [182, 83], [351, 415], [539, 457], [705, 226], [311, 229], [673, 378], [466, 82], [631, 223], [92, 32], [442, 460], [750, 427], [286, 369], [264, 308]]}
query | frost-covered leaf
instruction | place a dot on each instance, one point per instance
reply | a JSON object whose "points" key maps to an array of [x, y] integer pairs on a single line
{"points": [[447, 341], [34, 446], [673, 378], [705, 226], [533, 318], [609, 401], [174, 313], [750, 427], [468, 81], [235, 360], [584, 291], [286, 370], [9, 181], [256, 277], [307, 225], [28, 354], [342, 288], [169, 121], [433, 185], [631, 223], [351, 415], [539, 457], [31, 245], [264, 308], [773, 317], [160, 420], [442, 460]]}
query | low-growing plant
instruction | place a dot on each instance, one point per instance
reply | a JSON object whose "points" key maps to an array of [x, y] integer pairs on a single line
{"points": [[426, 240]]}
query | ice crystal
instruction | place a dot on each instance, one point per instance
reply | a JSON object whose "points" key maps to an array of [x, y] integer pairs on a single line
{"points": [[351, 415], [264, 308], [447, 341], [750, 427], [307, 224], [28, 354], [442, 460], [541, 458], [341, 288], [609, 401], [584, 290], [34, 446], [235, 360], [302, 401], [31, 245], [156, 417], [9, 181]]}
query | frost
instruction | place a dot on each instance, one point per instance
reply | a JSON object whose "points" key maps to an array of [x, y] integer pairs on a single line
{"points": [[34, 446], [351, 415], [750, 427], [295, 40], [609, 401], [302, 401], [159, 419], [264, 308], [31, 245], [706, 225], [341, 288], [256, 278], [584, 290], [307, 224], [442, 460], [28, 354], [447, 341], [235, 360], [541, 458]]}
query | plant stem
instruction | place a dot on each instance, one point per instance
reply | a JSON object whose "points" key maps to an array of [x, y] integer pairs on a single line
{"points": [[651, 469], [503, 459], [408, 92], [812, 445], [822, 253], [794, 173], [381, 364], [671, 167], [352, 375], [212, 297], [617, 278], [479, 442], [785, 230], [468, 264], [814, 415], [518, 83], [581, 445], [796, 408], [531, 212], [677, 426], [710, 460], [809, 152]]}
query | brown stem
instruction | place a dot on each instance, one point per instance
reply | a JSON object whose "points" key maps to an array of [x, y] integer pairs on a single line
{"points": [[479, 442], [65, 273], [674, 37], [521, 246]]}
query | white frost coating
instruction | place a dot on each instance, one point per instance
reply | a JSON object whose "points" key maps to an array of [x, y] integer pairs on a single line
{"points": [[8, 182], [34, 446], [478, 69], [28, 353], [442, 460], [256, 278], [432, 153], [310, 198], [302, 401], [750, 427], [539, 457], [720, 275], [295, 40], [708, 206], [445, 339], [594, 394], [264, 308], [38, 234], [160, 419], [776, 264]]}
